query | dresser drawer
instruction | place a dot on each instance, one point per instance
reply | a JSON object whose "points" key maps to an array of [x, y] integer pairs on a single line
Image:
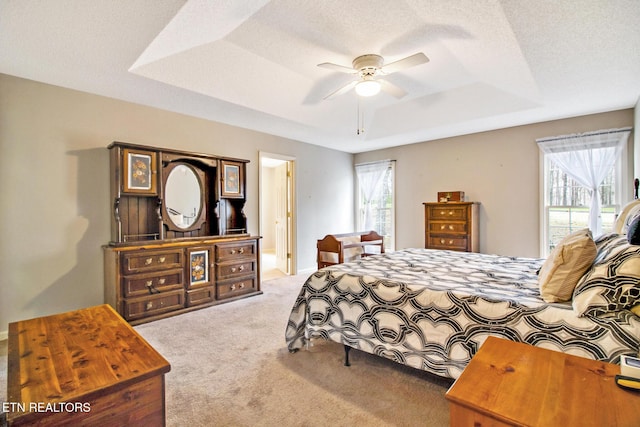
{"points": [[233, 250], [232, 288], [452, 242], [153, 304], [447, 212], [200, 296], [448, 227], [145, 284], [138, 262], [227, 271]]}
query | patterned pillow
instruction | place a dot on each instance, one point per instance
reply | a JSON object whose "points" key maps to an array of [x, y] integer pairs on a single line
{"points": [[566, 264], [603, 240], [613, 283], [633, 232]]}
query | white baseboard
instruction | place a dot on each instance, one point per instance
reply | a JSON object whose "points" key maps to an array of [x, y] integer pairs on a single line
{"points": [[4, 335]]}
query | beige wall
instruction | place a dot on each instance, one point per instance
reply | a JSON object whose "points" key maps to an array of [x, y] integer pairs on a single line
{"points": [[54, 191], [499, 169]]}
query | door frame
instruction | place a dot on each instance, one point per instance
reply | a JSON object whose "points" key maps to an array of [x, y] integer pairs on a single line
{"points": [[291, 225]]}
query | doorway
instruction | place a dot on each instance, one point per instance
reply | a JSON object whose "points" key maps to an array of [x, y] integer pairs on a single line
{"points": [[277, 218]]}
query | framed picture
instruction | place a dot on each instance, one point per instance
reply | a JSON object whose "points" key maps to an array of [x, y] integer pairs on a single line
{"points": [[139, 172], [198, 267], [232, 179]]}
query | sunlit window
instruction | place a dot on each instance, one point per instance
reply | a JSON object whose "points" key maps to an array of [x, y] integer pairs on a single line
{"points": [[567, 204], [376, 200], [582, 181]]}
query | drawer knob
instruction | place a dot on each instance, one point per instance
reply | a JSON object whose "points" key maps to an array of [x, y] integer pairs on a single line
{"points": [[233, 269], [450, 227], [442, 227], [162, 259], [241, 250], [451, 242], [148, 261], [233, 251], [162, 281], [152, 290], [450, 212], [149, 305], [237, 286], [442, 241], [241, 268]]}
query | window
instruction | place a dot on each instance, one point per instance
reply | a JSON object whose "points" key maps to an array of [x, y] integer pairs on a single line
{"points": [[376, 200], [567, 204], [582, 177]]}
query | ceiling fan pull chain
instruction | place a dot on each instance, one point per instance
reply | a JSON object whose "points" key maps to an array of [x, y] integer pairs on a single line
{"points": [[360, 118]]}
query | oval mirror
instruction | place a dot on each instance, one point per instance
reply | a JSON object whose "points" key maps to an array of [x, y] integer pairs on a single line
{"points": [[182, 194]]}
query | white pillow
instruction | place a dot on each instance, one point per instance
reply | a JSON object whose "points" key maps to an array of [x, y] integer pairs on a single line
{"points": [[566, 264], [628, 213]]}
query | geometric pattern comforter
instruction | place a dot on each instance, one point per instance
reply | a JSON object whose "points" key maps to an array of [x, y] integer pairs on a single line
{"points": [[433, 309]]}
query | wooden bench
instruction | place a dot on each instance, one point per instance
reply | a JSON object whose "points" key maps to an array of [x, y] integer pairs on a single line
{"points": [[339, 248]]}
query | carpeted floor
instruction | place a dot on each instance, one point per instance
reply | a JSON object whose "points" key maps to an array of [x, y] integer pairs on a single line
{"points": [[230, 367]]}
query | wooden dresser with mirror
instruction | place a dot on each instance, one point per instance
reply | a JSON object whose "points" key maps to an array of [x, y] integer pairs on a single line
{"points": [[179, 239]]}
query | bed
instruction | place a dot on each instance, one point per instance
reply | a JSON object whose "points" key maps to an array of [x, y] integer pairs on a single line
{"points": [[433, 309]]}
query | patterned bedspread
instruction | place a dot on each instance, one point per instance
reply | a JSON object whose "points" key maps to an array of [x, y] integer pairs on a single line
{"points": [[432, 310]]}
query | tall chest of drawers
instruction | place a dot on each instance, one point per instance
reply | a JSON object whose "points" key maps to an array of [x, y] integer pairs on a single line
{"points": [[152, 281], [452, 225]]}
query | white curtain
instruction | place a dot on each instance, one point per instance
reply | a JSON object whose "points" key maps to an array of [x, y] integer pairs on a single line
{"points": [[370, 178], [587, 158]]}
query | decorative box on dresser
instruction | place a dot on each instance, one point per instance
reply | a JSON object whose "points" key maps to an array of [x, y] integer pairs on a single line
{"points": [[179, 233], [451, 225]]}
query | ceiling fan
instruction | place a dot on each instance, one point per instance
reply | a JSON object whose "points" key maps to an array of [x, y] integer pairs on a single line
{"points": [[369, 67]]}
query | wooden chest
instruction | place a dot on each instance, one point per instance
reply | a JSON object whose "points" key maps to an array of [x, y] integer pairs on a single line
{"points": [[452, 225], [85, 367], [516, 384]]}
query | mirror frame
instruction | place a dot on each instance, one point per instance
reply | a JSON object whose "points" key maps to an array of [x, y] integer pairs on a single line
{"points": [[200, 176]]}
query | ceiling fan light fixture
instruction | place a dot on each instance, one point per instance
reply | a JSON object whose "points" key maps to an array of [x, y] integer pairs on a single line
{"points": [[368, 88]]}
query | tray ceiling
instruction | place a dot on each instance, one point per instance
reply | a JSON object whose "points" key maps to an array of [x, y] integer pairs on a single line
{"points": [[253, 64]]}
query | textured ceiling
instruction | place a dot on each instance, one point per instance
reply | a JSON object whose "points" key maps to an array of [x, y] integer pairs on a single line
{"points": [[253, 64]]}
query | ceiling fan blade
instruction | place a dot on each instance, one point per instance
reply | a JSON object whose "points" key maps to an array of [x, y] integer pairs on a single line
{"points": [[409, 61], [336, 67], [392, 89], [344, 89]]}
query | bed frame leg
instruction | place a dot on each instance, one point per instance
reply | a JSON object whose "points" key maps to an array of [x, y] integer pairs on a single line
{"points": [[346, 355]]}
